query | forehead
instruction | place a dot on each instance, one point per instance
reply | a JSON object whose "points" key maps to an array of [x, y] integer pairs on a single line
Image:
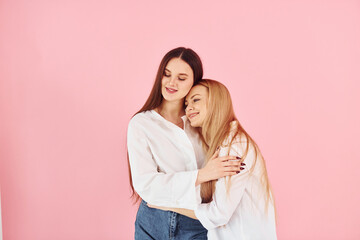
{"points": [[198, 89], [177, 65]]}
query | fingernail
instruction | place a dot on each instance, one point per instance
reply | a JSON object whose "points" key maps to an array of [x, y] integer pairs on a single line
{"points": [[237, 172], [238, 157], [243, 164], [242, 168]]}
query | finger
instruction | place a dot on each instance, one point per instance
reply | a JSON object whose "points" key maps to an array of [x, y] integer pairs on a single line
{"points": [[233, 169], [237, 169], [237, 161], [230, 173], [227, 158], [216, 154], [231, 163]]}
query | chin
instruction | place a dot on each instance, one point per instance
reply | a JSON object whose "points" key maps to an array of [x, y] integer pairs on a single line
{"points": [[194, 124], [171, 97]]}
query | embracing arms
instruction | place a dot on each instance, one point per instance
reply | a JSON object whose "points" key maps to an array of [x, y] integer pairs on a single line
{"points": [[225, 201], [175, 189]]}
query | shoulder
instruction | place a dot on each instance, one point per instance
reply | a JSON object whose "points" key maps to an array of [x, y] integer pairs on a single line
{"points": [[141, 122], [238, 143], [140, 119], [242, 141], [234, 138]]}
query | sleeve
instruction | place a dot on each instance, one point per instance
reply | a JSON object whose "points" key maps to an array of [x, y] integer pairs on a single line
{"points": [[219, 211], [176, 190]]}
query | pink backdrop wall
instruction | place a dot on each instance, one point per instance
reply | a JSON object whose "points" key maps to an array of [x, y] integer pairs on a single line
{"points": [[73, 72]]}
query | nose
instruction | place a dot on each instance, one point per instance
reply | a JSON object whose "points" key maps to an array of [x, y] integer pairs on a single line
{"points": [[188, 107], [172, 81]]}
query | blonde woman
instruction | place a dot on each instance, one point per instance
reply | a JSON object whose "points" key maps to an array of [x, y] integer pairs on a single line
{"points": [[239, 206]]}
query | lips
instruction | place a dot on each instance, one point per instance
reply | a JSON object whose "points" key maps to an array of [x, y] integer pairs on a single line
{"points": [[190, 116], [170, 90]]}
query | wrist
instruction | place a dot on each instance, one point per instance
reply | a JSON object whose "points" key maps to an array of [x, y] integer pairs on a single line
{"points": [[200, 176]]}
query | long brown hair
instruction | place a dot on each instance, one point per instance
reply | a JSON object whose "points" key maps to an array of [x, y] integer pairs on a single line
{"points": [[155, 98], [216, 129]]}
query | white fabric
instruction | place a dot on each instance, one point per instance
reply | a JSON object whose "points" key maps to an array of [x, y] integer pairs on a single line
{"points": [[239, 213], [164, 160]]}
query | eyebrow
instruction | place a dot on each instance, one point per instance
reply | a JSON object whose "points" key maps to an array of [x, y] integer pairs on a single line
{"points": [[179, 73], [194, 96]]}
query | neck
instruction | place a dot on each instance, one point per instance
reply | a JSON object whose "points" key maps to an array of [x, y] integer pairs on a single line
{"points": [[171, 110]]}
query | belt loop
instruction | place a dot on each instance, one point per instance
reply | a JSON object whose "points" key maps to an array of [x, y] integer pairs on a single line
{"points": [[172, 229]]}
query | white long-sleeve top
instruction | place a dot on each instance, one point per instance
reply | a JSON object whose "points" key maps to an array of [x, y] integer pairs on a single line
{"points": [[164, 160], [239, 213]]}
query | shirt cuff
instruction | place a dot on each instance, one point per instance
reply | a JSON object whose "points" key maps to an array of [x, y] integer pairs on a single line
{"points": [[197, 191], [200, 214], [190, 194]]}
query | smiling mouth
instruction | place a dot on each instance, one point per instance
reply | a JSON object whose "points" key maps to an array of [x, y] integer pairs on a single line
{"points": [[193, 115], [170, 90]]}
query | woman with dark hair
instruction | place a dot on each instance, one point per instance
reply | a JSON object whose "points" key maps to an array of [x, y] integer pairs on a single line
{"points": [[165, 153]]}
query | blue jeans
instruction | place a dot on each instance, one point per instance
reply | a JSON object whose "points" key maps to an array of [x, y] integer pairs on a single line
{"points": [[160, 225]]}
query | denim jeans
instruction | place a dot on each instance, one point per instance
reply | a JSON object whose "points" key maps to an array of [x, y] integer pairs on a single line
{"points": [[160, 225]]}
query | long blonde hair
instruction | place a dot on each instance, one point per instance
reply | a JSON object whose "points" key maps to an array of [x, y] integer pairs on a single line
{"points": [[216, 129]]}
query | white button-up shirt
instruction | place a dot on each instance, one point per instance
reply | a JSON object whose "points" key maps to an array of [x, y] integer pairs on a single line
{"points": [[164, 160], [239, 213]]}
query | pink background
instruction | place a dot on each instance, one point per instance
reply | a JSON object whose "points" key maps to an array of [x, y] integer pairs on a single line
{"points": [[73, 72]]}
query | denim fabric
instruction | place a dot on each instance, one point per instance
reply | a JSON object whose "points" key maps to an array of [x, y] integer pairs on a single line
{"points": [[166, 225]]}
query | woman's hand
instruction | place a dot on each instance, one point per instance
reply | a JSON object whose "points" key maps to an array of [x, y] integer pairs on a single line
{"points": [[218, 167]]}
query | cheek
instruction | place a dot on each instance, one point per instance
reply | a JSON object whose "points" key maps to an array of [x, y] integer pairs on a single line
{"points": [[203, 110], [187, 86], [163, 81]]}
